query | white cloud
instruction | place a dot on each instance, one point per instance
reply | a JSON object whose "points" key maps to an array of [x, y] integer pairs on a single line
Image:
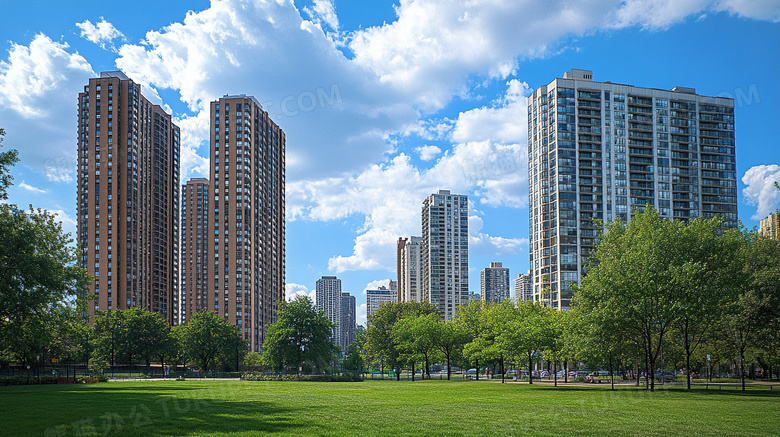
{"points": [[428, 152], [226, 49], [374, 285], [361, 314], [390, 194], [38, 85], [435, 45], [293, 290], [760, 190], [30, 188], [69, 224], [103, 33], [485, 244], [323, 11]]}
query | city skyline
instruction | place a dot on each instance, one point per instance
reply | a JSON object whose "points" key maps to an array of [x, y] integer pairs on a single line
{"points": [[376, 121]]}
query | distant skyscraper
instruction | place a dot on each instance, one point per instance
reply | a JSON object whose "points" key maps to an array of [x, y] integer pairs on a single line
{"points": [[770, 226], [348, 321], [247, 203], [328, 298], [445, 251], [494, 282], [523, 288], [410, 270], [128, 197], [375, 298], [195, 260], [598, 149]]}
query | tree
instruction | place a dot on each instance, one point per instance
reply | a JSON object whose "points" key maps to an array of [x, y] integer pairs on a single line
{"points": [[39, 276], [146, 334], [300, 337], [525, 333], [108, 335], [632, 279], [416, 337], [449, 337], [380, 343], [204, 338], [755, 314], [471, 321], [7, 160]]}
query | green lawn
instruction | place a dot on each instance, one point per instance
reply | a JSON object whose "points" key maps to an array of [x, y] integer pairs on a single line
{"points": [[379, 408]]}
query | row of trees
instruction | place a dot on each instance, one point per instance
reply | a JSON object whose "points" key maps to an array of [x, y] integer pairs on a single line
{"points": [[655, 290]]}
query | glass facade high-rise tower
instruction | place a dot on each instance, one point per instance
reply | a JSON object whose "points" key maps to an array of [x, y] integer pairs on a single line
{"points": [[444, 251], [128, 197], [598, 149]]}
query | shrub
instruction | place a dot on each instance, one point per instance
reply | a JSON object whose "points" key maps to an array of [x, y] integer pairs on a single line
{"points": [[346, 377]]}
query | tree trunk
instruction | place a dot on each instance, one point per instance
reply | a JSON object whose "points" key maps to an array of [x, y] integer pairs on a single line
{"points": [[412, 370], [530, 372], [742, 367], [555, 377], [477, 369], [427, 366], [688, 368], [611, 373], [449, 368], [565, 371], [501, 360]]}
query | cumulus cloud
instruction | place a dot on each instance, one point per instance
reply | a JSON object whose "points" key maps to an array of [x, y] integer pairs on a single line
{"points": [[223, 51], [102, 33], [361, 314], [389, 195], [37, 103], [428, 152], [68, 223], [760, 190], [374, 285], [25, 186], [323, 12], [292, 291]]}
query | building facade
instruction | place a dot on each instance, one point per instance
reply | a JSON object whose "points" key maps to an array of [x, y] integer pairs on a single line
{"points": [[128, 197], [348, 321], [327, 298], [375, 298], [523, 288], [410, 270], [494, 283], [444, 252], [194, 248], [246, 207], [598, 149], [770, 226]]}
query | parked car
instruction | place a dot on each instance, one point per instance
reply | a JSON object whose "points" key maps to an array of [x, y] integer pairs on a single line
{"points": [[596, 377], [561, 373], [666, 375]]}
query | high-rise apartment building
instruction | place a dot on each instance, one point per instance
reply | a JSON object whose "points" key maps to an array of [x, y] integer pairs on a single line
{"points": [[598, 149], [524, 288], [128, 197], [195, 243], [246, 222], [494, 283], [770, 226], [445, 251], [327, 298], [348, 321], [375, 298], [410, 270]]}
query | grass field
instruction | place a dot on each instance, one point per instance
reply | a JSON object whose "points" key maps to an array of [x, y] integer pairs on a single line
{"points": [[379, 408]]}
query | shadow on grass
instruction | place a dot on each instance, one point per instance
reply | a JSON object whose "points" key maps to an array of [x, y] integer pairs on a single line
{"points": [[142, 410], [713, 390]]}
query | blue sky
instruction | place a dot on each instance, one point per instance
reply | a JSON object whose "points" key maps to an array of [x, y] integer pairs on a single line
{"points": [[382, 103]]}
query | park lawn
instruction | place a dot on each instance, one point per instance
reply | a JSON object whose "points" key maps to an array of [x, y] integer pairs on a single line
{"points": [[200, 408]]}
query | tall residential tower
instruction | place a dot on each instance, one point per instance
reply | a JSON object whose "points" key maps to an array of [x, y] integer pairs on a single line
{"points": [[598, 149], [128, 197], [195, 243], [246, 222], [494, 283], [445, 251]]}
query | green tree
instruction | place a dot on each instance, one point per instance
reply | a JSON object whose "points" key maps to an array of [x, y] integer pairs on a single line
{"points": [[146, 334], [204, 337], [39, 277], [299, 338], [380, 344], [108, 335], [7, 160], [632, 277], [525, 333], [354, 361], [253, 361], [471, 321], [449, 338], [415, 336]]}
